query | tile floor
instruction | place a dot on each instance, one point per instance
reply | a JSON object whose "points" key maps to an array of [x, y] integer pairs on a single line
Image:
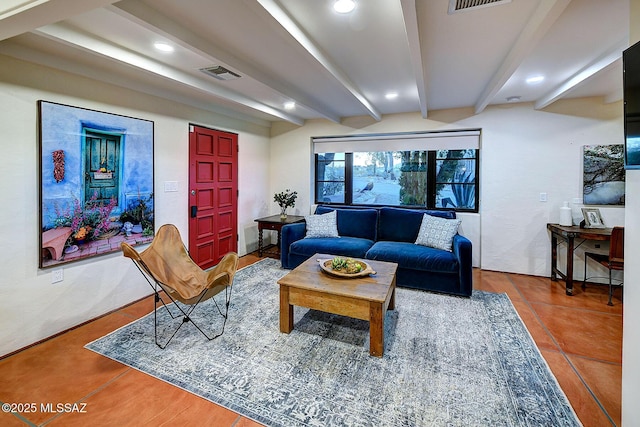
{"points": [[579, 336]]}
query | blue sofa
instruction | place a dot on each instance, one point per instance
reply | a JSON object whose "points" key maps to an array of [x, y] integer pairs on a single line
{"points": [[387, 234]]}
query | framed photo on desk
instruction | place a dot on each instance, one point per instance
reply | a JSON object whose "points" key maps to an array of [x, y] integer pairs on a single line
{"points": [[592, 218]]}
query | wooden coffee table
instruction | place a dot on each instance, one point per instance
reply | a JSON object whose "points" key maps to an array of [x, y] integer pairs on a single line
{"points": [[365, 298]]}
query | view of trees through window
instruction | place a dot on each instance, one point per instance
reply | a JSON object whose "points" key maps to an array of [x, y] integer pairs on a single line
{"points": [[438, 179]]}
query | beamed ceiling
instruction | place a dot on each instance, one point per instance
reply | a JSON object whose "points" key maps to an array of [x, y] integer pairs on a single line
{"points": [[331, 65]]}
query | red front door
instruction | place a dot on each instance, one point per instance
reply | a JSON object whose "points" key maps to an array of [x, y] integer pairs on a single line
{"points": [[213, 194]]}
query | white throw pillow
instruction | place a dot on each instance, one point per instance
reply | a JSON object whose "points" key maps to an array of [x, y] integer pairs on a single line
{"points": [[325, 225], [437, 232]]}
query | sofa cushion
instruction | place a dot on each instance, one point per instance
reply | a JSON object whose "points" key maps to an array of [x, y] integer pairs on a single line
{"points": [[415, 257], [354, 222], [402, 225], [324, 225], [345, 246], [437, 232]]}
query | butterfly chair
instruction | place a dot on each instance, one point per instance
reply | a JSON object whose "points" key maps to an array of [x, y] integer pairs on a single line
{"points": [[613, 261], [167, 266]]}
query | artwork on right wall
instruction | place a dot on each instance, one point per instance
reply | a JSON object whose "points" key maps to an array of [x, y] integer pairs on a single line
{"points": [[603, 174]]}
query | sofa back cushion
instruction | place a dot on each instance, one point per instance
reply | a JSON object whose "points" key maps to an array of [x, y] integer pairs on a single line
{"points": [[403, 225], [354, 222]]}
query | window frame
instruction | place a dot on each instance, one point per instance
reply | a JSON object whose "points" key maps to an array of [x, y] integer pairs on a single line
{"points": [[431, 183]]}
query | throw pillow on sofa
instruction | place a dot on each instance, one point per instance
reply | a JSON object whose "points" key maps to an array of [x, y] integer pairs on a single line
{"points": [[324, 225], [437, 232]]}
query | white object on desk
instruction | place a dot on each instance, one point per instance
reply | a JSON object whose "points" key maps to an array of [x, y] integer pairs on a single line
{"points": [[565, 215]]}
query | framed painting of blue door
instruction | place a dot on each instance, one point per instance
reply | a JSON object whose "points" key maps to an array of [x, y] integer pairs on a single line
{"points": [[96, 182]]}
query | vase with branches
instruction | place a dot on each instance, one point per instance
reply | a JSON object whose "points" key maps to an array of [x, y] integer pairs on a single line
{"points": [[285, 199]]}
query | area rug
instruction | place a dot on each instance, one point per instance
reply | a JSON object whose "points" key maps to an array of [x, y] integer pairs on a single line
{"points": [[448, 361]]}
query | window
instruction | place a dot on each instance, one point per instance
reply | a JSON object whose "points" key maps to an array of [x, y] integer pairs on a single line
{"points": [[330, 177], [456, 179], [427, 178]]}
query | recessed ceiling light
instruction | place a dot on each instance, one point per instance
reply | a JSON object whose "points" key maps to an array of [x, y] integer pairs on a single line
{"points": [[289, 105], [535, 79], [164, 47], [391, 95], [344, 6], [513, 98]]}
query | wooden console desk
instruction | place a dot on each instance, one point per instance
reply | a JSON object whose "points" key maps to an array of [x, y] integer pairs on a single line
{"points": [[274, 223], [568, 234]]}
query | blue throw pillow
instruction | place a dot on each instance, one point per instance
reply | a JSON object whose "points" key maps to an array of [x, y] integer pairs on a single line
{"points": [[437, 232], [325, 225]]}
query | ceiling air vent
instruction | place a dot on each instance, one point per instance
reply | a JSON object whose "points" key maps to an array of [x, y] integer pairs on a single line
{"points": [[220, 73], [463, 5]]}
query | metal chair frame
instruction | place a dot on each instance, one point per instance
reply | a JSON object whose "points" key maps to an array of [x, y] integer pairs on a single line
{"points": [[613, 261], [192, 285], [157, 286]]}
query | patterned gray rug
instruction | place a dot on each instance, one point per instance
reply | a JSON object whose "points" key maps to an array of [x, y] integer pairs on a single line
{"points": [[448, 361]]}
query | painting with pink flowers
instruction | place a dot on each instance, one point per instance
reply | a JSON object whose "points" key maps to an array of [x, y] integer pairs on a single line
{"points": [[96, 182]]}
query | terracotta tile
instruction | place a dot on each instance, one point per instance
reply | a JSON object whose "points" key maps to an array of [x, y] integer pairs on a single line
{"points": [[544, 290], [139, 399], [248, 259], [11, 420], [599, 295], [95, 329], [605, 381], [584, 332], [493, 281], [584, 405], [138, 309], [535, 327], [246, 422], [59, 370]]}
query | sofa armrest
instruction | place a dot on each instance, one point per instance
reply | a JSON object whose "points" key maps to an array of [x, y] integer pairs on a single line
{"points": [[289, 234], [462, 250]]}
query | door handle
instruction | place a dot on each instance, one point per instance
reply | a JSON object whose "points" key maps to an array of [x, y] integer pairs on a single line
{"points": [[194, 211]]}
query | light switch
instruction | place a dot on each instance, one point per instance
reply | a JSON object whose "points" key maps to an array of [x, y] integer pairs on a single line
{"points": [[170, 186], [543, 197]]}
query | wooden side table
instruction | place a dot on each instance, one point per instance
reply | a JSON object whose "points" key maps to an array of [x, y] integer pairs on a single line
{"points": [[274, 223], [568, 234]]}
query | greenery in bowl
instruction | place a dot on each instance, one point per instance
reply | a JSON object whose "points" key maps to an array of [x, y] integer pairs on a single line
{"points": [[346, 265]]}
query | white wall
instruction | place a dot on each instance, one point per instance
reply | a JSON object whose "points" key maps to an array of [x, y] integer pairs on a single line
{"points": [[527, 152], [523, 152], [31, 308], [631, 314]]}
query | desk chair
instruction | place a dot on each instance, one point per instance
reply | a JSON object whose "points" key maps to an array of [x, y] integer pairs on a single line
{"points": [[613, 261], [167, 266]]}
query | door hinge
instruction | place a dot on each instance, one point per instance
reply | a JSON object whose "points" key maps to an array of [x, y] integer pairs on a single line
{"points": [[190, 128]]}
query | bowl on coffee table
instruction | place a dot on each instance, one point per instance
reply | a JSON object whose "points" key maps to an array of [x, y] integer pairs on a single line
{"points": [[346, 268]]}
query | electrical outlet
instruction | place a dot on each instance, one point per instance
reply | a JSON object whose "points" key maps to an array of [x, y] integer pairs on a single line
{"points": [[57, 275], [543, 197]]}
